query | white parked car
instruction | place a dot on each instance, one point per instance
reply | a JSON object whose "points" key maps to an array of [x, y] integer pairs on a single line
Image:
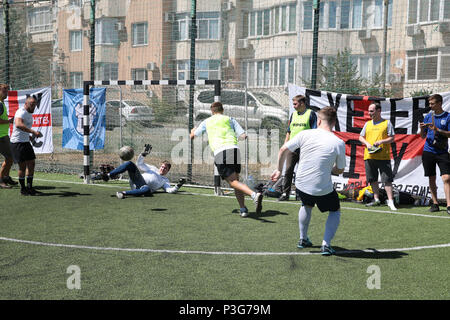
{"points": [[134, 111], [263, 112]]}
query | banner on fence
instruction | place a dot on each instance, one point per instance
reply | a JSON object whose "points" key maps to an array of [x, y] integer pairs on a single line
{"points": [[41, 116], [73, 119], [406, 151]]}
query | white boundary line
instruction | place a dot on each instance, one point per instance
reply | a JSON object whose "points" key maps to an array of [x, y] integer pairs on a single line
{"points": [[222, 252], [216, 252], [266, 200]]}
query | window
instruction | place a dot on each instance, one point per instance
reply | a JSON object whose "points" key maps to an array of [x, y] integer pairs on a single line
{"points": [[429, 64], [39, 19], [284, 18], [140, 34], [208, 26], [76, 79], [106, 71], [428, 10], [204, 69], [346, 14], [307, 68], [76, 40], [77, 3], [139, 74], [264, 73], [105, 32]]}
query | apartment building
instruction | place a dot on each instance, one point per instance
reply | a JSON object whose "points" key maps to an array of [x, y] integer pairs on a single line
{"points": [[266, 44]]}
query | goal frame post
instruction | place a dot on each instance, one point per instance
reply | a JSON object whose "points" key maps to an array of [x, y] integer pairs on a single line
{"points": [[86, 106]]}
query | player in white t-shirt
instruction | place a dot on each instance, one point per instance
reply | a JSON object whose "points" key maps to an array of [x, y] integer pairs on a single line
{"points": [[321, 154], [145, 179], [21, 148]]}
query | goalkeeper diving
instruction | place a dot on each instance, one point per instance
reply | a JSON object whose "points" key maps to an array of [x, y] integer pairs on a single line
{"points": [[144, 179]]}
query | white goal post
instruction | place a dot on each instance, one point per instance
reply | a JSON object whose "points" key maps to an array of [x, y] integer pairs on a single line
{"points": [[86, 106]]}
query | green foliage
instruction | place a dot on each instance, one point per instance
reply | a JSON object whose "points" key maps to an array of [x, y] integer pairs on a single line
{"points": [[421, 93], [24, 68], [341, 75]]}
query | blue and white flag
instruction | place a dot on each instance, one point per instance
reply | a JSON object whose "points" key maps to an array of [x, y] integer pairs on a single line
{"points": [[73, 119]]}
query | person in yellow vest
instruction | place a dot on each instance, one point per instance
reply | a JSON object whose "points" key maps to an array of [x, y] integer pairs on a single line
{"points": [[377, 135], [301, 119], [5, 148], [223, 133]]}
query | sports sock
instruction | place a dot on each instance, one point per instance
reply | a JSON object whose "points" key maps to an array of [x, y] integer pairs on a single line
{"points": [[304, 217], [22, 182], [30, 181], [331, 227], [253, 195]]}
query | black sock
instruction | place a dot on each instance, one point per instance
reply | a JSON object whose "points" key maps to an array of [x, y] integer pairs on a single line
{"points": [[30, 182], [22, 182]]}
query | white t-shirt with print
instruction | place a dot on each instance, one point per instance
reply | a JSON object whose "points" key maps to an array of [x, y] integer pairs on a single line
{"points": [[18, 135]]}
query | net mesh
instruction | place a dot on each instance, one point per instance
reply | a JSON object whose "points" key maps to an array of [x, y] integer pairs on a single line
{"points": [[253, 46]]}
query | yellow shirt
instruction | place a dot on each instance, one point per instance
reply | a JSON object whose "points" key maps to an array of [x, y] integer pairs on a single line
{"points": [[377, 132]]}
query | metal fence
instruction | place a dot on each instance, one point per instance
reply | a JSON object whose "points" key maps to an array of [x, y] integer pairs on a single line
{"points": [[255, 47]]}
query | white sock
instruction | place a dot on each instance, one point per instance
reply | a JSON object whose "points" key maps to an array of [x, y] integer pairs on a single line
{"points": [[253, 196], [331, 226], [304, 217]]}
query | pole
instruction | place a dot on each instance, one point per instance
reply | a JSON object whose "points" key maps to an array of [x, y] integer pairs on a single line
{"points": [[7, 34], [193, 32], [92, 66], [385, 29], [316, 7]]}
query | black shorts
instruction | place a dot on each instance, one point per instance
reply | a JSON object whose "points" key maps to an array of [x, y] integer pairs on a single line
{"points": [[429, 161], [228, 162], [372, 168], [327, 202], [22, 151], [5, 147]]}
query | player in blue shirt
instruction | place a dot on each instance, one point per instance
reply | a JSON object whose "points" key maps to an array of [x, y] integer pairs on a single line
{"points": [[436, 129]]}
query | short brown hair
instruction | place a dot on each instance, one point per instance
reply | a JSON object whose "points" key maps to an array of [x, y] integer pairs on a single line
{"points": [[299, 98], [4, 86], [216, 107], [167, 163], [328, 114], [377, 105], [436, 97]]}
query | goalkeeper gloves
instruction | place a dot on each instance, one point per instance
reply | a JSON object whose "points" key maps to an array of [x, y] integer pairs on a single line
{"points": [[181, 182], [147, 149]]}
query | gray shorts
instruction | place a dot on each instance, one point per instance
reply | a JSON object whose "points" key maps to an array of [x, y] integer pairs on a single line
{"points": [[5, 147], [372, 168]]}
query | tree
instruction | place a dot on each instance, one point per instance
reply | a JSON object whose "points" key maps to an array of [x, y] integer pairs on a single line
{"points": [[23, 65], [341, 75]]}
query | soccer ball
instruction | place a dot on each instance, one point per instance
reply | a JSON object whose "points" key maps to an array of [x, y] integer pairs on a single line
{"points": [[126, 153]]}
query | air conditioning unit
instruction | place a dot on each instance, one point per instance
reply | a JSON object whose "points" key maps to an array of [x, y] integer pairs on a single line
{"points": [[444, 27], [227, 6], [169, 17], [119, 26], [242, 43], [151, 66], [226, 63], [365, 34], [413, 30], [395, 78]]}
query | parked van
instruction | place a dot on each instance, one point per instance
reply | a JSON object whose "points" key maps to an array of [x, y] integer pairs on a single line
{"points": [[263, 112]]}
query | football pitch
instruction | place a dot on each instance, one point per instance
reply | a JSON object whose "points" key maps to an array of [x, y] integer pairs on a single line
{"points": [[77, 241]]}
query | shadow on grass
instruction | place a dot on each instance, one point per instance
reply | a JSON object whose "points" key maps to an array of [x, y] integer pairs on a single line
{"points": [[266, 214], [59, 194], [369, 253]]}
